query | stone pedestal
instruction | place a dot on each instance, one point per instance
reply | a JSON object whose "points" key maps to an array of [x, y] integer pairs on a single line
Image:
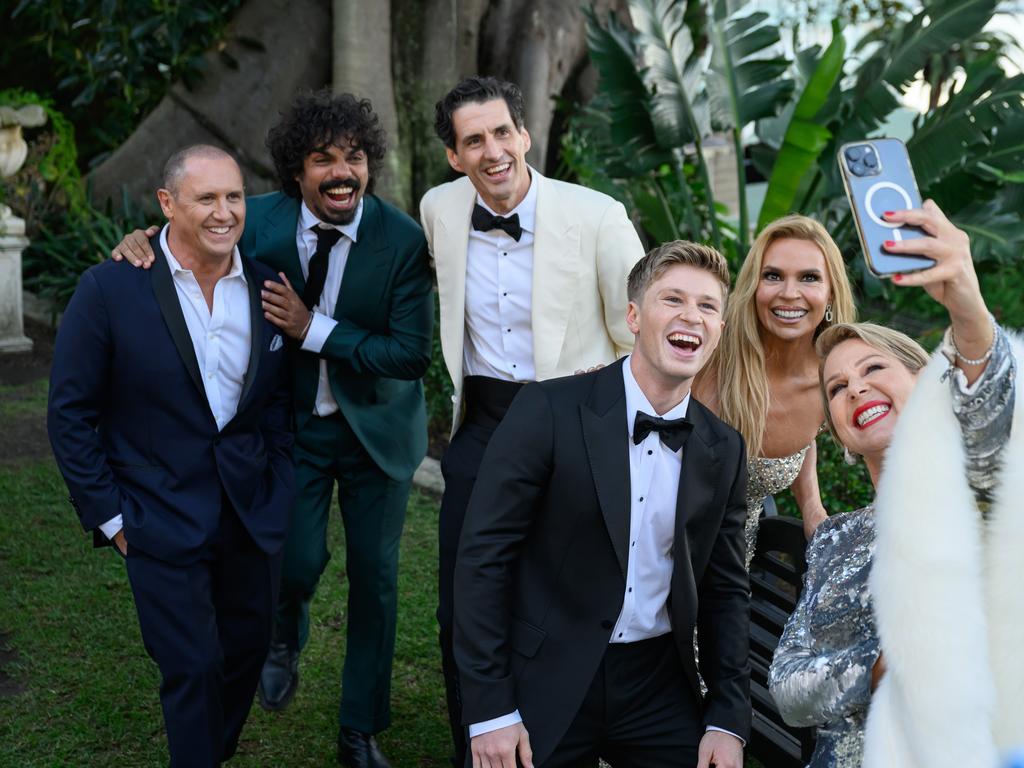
{"points": [[12, 243]]}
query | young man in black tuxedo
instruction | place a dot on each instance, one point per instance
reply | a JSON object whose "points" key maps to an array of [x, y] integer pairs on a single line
{"points": [[605, 526]]}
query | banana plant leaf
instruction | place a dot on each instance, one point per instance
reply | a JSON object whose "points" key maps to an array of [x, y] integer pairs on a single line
{"points": [[745, 83], [673, 73], [978, 128], [805, 136], [936, 29], [623, 91]]}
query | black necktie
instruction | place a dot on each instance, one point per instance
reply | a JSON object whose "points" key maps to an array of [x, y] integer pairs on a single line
{"points": [[673, 432], [325, 240], [485, 221]]}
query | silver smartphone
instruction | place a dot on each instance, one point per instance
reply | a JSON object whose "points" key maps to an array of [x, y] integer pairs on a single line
{"points": [[878, 177]]}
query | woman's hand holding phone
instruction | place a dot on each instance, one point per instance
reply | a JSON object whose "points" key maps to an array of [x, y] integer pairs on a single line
{"points": [[952, 281]]}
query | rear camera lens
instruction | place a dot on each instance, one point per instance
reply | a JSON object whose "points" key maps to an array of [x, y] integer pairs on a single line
{"points": [[858, 169], [855, 153]]}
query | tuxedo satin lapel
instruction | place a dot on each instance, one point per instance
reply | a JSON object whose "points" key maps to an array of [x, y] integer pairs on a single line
{"points": [[606, 437], [364, 259], [557, 264], [450, 248], [698, 480], [256, 345], [276, 236], [170, 308]]}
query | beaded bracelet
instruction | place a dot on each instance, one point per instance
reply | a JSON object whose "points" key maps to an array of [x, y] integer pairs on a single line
{"points": [[984, 358]]}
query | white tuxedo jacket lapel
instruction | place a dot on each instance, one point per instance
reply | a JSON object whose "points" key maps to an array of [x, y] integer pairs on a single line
{"points": [[450, 246], [556, 270]]}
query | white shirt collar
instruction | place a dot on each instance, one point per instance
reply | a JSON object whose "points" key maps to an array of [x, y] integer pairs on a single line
{"points": [[636, 400], [307, 220], [176, 268], [527, 208]]}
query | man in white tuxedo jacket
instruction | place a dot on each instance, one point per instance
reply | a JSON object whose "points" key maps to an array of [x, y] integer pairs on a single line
{"points": [[531, 277]]}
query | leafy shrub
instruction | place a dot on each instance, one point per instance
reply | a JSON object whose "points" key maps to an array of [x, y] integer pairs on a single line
{"points": [[108, 62], [843, 487], [57, 258]]}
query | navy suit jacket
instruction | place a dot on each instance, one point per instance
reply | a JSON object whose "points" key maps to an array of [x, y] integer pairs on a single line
{"points": [[133, 433]]}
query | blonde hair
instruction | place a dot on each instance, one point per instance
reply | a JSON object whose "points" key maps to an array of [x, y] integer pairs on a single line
{"points": [[739, 361], [886, 340], [669, 254]]}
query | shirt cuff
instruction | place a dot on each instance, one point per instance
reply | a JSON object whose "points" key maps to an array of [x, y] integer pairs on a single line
{"points": [[112, 526], [318, 332], [722, 730], [479, 729]]}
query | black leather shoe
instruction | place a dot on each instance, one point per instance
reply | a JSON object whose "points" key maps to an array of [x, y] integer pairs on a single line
{"points": [[279, 678], [359, 750]]}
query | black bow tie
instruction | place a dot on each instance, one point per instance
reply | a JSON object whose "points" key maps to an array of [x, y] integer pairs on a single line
{"points": [[485, 221], [673, 432]]}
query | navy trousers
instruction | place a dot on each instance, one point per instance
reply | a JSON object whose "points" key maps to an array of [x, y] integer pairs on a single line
{"points": [[207, 626]]}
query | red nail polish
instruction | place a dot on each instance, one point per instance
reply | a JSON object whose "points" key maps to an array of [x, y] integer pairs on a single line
{"points": [[897, 278], [889, 243], [888, 213]]}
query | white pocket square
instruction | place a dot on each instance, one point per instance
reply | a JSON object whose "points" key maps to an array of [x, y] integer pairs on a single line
{"points": [[276, 343]]}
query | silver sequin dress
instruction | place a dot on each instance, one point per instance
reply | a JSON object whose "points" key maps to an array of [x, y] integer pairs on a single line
{"points": [[767, 477], [821, 673]]}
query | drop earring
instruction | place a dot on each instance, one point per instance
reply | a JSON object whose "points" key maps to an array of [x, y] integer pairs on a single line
{"points": [[828, 313]]}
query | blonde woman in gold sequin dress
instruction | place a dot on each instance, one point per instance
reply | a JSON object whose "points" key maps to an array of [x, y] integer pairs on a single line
{"points": [[763, 379], [911, 568]]}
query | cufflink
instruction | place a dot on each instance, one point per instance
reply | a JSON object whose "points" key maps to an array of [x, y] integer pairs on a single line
{"points": [[276, 343]]}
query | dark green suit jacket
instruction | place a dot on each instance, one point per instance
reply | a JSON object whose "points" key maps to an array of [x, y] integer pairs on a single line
{"points": [[380, 348]]}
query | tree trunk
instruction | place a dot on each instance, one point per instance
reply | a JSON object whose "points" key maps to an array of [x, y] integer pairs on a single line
{"points": [[250, 78], [401, 54], [362, 66]]}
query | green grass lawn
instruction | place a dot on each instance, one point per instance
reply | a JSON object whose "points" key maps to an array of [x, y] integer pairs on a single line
{"points": [[88, 692], [76, 686]]}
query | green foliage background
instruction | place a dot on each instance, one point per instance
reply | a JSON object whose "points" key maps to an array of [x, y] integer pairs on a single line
{"points": [[107, 62]]}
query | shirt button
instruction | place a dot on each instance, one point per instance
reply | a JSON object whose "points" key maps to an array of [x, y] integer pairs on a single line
{"points": [[513, 365], [649, 452], [620, 634], [508, 330], [630, 589], [633, 544], [641, 498], [504, 253]]}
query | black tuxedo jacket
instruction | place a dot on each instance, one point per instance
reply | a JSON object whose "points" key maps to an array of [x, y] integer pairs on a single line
{"points": [[540, 577]]}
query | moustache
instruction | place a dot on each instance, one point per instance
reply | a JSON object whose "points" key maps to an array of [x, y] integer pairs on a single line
{"points": [[327, 186]]}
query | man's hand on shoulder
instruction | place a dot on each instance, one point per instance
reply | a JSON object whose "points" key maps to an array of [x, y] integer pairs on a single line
{"points": [[720, 749], [497, 749], [134, 248]]}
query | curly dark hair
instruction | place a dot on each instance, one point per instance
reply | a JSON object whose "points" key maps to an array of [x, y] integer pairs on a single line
{"points": [[320, 119], [476, 90]]}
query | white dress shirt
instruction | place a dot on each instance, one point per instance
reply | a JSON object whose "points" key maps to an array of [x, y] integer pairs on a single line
{"points": [[654, 484], [499, 298], [323, 314], [221, 338]]}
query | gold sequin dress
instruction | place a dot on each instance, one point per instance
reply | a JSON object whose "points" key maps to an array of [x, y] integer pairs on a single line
{"points": [[766, 477]]}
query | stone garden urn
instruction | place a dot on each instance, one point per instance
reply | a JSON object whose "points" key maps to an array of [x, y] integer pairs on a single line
{"points": [[13, 151]]}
